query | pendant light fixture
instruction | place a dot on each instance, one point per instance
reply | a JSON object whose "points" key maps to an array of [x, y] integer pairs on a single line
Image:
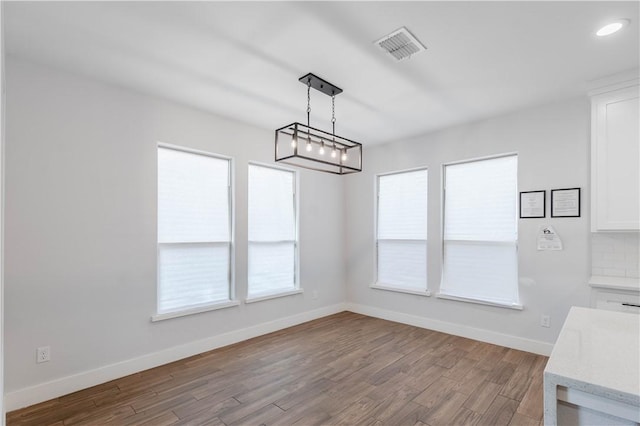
{"points": [[305, 146]]}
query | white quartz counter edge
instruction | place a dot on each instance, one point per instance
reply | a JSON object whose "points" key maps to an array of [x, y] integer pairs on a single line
{"points": [[594, 389], [615, 283], [596, 354]]}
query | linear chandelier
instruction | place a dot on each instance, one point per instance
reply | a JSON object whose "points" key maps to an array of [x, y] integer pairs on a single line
{"points": [[305, 146]]}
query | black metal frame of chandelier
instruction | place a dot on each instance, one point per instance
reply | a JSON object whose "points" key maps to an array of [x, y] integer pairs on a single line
{"points": [[329, 135], [344, 169], [340, 166]]}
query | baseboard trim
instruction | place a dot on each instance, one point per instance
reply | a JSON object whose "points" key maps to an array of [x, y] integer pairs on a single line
{"points": [[65, 385], [515, 342]]}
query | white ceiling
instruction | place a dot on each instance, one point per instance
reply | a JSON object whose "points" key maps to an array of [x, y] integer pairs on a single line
{"points": [[243, 59]]}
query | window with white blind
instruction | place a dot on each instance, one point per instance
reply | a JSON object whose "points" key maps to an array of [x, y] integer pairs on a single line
{"points": [[194, 230], [272, 231], [401, 234], [481, 231]]}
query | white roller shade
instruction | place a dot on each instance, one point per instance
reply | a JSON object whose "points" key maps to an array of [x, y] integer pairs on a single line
{"points": [[402, 230], [194, 232], [193, 197], [272, 231], [192, 275], [481, 230]]}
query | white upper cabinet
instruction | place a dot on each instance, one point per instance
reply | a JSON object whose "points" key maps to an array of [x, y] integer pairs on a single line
{"points": [[615, 160]]}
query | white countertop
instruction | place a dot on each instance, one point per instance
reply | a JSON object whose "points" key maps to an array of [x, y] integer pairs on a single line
{"points": [[615, 283], [598, 352]]}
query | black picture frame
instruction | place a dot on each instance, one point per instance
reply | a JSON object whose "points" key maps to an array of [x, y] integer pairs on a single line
{"points": [[566, 202], [527, 194]]}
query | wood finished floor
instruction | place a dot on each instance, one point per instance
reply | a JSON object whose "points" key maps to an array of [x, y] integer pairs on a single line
{"points": [[342, 369]]}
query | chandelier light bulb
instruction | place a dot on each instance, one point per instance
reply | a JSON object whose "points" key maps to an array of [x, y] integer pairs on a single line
{"points": [[321, 150], [294, 141], [344, 155], [612, 27], [333, 152], [309, 145]]}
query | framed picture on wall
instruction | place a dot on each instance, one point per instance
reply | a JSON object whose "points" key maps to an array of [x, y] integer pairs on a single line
{"points": [[532, 204], [565, 202]]}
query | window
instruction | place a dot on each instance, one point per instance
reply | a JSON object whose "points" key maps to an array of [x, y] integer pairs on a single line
{"points": [[272, 231], [401, 235], [481, 231], [194, 230]]}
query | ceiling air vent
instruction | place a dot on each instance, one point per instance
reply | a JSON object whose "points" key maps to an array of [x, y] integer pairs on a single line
{"points": [[401, 44]]}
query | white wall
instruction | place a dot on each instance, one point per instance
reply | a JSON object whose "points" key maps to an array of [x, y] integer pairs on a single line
{"points": [[552, 143], [81, 228]]}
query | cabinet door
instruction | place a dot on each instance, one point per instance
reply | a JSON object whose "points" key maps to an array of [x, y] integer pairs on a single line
{"points": [[615, 157]]}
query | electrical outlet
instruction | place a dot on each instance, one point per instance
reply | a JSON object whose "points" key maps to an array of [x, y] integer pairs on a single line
{"points": [[43, 354], [545, 321]]}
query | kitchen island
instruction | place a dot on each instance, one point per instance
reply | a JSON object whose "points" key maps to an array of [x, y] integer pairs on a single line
{"points": [[593, 374]]}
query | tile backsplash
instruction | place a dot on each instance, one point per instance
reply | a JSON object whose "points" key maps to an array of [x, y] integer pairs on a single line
{"points": [[615, 254]]}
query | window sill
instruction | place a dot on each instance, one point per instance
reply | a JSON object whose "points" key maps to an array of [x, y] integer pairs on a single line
{"points": [[195, 310], [425, 293], [514, 306], [273, 296]]}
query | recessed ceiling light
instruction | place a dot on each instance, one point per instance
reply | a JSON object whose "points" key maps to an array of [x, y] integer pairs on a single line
{"points": [[612, 27]]}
